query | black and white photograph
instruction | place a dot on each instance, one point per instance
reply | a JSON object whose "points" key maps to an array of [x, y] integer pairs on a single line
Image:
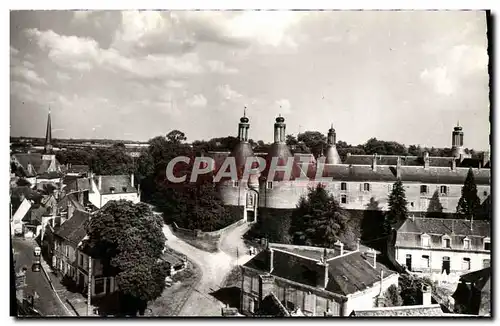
{"points": [[250, 163]]}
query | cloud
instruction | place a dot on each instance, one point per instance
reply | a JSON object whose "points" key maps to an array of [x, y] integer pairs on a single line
{"points": [[438, 79], [13, 51], [81, 53], [285, 106], [174, 84], [62, 76], [198, 100], [468, 58], [220, 67], [227, 93], [81, 15], [28, 75]]}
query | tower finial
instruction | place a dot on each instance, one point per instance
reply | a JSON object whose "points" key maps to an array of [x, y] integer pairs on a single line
{"points": [[332, 125], [458, 123], [245, 111]]}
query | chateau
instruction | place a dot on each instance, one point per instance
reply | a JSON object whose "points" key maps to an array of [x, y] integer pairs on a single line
{"points": [[360, 182]]}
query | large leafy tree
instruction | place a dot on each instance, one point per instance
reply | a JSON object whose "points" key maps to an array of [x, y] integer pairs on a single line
{"points": [[411, 289], [319, 220], [129, 240], [314, 140], [469, 203], [398, 210]]}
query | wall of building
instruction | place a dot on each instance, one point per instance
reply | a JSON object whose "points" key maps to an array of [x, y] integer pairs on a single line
{"points": [[367, 299], [133, 197], [308, 300], [436, 259], [286, 194]]}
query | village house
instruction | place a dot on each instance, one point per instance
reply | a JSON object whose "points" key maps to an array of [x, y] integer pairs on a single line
{"points": [[289, 280], [104, 188], [72, 261], [441, 248], [473, 293]]}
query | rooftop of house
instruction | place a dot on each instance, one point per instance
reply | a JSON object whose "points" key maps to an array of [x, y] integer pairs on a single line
{"points": [[114, 184], [480, 278], [403, 311], [77, 168], [347, 273], [33, 163], [73, 183], [74, 229], [410, 232]]}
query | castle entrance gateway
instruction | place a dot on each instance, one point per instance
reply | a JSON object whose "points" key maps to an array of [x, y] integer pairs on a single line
{"points": [[251, 206]]}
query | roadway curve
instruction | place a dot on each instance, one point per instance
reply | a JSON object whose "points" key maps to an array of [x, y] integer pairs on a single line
{"points": [[214, 268]]}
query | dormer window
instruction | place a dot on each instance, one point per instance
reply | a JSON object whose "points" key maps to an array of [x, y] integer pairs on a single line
{"points": [[446, 242], [366, 186], [443, 190], [466, 243], [425, 240], [236, 184], [487, 244], [269, 185], [124, 189], [112, 189]]}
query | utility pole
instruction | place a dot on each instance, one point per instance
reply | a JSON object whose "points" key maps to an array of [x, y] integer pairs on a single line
{"points": [[89, 286], [89, 289]]}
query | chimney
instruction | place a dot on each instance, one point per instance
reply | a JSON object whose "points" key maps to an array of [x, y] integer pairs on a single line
{"points": [[271, 260], [340, 247], [358, 241], [266, 285], [398, 168], [426, 295], [371, 255], [426, 160], [348, 154], [322, 274], [453, 164], [132, 179], [485, 158], [380, 297], [374, 162]]}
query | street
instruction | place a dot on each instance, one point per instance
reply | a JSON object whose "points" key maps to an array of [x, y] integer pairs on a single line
{"points": [[47, 302]]}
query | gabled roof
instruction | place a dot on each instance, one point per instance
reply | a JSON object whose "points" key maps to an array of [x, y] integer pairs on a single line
{"points": [[432, 175], [271, 306], [74, 229], [78, 168], [480, 279], [403, 311], [347, 274], [76, 184]]}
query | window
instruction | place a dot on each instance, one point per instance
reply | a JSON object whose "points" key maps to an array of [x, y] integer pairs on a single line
{"points": [[251, 305], [446, 265], [343, 199], [255, 285], [423, 189], [447, 243], [366, 187], [408, 261], [486, 263], [270, 185], [425, 240], [487, 244], [443, 190], [80, 263], [412, 204], [425, 261], [236, 184], [485, 193], [343, 186], [99, 286], [466, 264], [466, 244]]}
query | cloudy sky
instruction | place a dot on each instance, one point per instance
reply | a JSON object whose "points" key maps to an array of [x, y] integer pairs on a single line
{"points": [[402, 76]]}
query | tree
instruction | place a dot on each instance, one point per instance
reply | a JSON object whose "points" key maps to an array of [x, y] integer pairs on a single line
{"points": [[398, 210], [435, 207], [411, 288], [469, 202], [176, 137], [111, 161], [319, 220], [393, 297], [314, 140], [291, 140], [23, 183], [129, 240]]}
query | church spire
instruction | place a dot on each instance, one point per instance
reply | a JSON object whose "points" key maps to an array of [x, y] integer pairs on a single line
{"points": [[48, 136]]}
